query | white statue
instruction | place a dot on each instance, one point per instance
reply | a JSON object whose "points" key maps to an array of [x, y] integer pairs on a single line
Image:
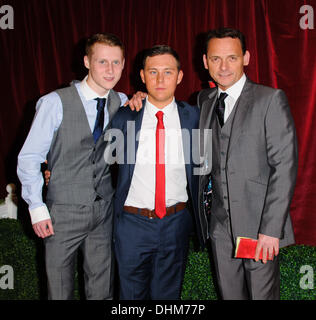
{"points": [[9, 208]]}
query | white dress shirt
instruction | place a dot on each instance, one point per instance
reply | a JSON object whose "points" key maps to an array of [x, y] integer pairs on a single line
{"points": [[233, 94], [142, 190]]}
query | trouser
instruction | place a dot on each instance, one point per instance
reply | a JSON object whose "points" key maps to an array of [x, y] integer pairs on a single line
{"points": [[151, 255], [241, 279], [88, 228]]}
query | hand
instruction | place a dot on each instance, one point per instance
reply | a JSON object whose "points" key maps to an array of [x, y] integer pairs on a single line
{"points": [[269, 247], [47, 176], [43, 228], [136, 101]]}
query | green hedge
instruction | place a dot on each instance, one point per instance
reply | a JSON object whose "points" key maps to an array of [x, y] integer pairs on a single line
{"points": [[24, 252], [20, 252], [200, 284]]}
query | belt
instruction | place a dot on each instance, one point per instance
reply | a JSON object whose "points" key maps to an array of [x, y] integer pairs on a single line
{"points": [[151, 213]]}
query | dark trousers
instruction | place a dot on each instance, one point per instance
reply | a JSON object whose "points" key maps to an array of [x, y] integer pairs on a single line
{"points": [[241, 279], [151, 255], [88, 228]]}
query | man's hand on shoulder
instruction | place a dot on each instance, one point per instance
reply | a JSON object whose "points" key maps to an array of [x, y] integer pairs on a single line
{"points": [[136, 102]]}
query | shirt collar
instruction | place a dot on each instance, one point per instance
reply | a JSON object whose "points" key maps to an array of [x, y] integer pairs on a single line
{"points": [[87, 92], [235, 90], [167, 110]]}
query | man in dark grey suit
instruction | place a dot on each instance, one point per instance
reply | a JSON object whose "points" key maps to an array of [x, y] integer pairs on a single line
{"points": [[68, 130], [254, 165]]}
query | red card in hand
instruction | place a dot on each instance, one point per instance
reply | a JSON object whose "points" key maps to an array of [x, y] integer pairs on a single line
{"points": [[246, 248]]}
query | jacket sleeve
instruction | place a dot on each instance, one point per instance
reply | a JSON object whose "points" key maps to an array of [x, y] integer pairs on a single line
{"points": [[281, 146]]}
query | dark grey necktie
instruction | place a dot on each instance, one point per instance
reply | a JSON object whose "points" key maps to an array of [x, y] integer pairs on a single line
{"points": [[99, 122], [220, 107]]}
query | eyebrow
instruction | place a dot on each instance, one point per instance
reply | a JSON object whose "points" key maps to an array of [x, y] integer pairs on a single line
{"points": [[230, 55], [168, 68]]}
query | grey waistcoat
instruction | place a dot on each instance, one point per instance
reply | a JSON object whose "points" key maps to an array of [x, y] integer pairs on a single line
{"points": [[78, 169], [221, 137]]}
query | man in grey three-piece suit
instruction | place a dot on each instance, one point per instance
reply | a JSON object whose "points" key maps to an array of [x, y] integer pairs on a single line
{"points": [[254, 165]]}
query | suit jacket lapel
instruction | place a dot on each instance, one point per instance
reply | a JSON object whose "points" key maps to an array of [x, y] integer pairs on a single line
{"points": [[243, 103], [207, 110], [138, 123], [185, 124]]}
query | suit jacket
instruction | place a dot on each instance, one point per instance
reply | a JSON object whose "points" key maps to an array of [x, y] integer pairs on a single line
{"points": [[189, 119], [261, 162]]}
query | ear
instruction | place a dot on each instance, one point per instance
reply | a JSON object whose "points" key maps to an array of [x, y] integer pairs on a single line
{"points": [[86, 62], [246, 58], [205, 61], [180, 76], [142, 75]]}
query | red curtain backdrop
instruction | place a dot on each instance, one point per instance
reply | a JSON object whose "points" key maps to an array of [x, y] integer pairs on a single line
{"points": [[42, 53]]}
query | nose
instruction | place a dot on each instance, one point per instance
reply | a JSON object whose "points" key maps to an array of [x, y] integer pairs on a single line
{"points": [[160, 77], [110, 68], [223, 65]]}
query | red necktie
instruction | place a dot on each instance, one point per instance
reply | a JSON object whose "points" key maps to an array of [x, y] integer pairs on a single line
{"points": [[160, 198]]}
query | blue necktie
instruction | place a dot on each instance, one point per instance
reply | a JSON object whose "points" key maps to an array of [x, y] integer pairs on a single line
{"points": [[99, 122]]}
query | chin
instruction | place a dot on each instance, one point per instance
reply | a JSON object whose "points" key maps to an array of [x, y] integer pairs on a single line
{"points": [[225, 86]]}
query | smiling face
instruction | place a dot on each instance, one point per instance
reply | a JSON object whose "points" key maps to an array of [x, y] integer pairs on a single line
{"points": [[225, 61], [161, 77], [105, 64]]}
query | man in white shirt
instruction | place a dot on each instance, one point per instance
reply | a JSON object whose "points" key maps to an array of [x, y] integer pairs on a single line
{"points": [[253, 172], [254, 165], [68, 130], [155, 191]]}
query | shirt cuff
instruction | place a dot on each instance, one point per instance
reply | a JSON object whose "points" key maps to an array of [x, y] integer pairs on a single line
{"points": [[39, 214]]}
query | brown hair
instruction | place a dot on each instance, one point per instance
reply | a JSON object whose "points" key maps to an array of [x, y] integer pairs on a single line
{"points": [[105, 38], [160, 50]]}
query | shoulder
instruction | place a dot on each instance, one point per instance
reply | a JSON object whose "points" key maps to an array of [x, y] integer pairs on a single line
{"points": [[122, 115], [194, 110], [204, 95], [271, 101], [49, 101], [189, 113], [123, 97], [264, 92], [118, 97], [66, 90]]}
